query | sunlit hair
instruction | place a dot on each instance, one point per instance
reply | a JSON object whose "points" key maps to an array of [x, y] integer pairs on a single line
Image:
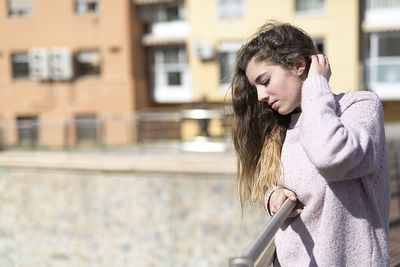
{"points": [[258, 130]]}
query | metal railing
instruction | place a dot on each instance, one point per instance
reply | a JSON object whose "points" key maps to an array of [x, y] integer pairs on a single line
{"points": [[261, 250]]}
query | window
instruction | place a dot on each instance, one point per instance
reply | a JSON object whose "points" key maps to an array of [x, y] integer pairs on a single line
{"points": [[389, 46], [28, 130], [310, 6], [170, 74], [86, 128], [88, 63], [170, 63], [383, 63], [86, 6], [20, 65], [167, 13], [378, 4], [226, 56], [172, 13], [384, 57], [19, 8], [319, 44], [230, 9], [174, 78]]}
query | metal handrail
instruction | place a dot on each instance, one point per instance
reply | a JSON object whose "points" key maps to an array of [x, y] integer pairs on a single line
{"points": [[261, 250]]}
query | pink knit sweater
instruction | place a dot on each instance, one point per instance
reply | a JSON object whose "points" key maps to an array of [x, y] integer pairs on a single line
{"points": [[334, 159]]}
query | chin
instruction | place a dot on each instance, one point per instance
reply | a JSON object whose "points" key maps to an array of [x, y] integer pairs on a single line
{"points": [[285, 111]]}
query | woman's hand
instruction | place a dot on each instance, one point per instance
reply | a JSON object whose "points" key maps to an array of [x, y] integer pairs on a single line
{"points": [[278, 197], [320, 65]]}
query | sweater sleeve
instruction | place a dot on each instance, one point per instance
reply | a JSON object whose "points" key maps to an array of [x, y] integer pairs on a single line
{"points": [[340, 147], [267, 197]]}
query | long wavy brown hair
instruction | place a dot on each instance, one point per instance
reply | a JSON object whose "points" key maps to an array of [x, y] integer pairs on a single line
{"points": [[258, 130]]}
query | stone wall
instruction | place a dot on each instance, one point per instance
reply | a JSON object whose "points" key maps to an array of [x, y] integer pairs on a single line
{"points": [[71, 218]]}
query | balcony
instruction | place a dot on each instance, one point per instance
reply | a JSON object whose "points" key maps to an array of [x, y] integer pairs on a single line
{"points": [[150, 2], [381, 16], [164, 33]]}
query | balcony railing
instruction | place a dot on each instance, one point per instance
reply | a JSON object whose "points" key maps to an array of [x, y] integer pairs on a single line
{"points": [[163, 33], [155, 126], [261, 251]]}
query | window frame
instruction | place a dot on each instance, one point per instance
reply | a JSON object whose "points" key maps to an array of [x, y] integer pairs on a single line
{"points": [[385, 89], [231, 48], [78, 64], [320, 41], [22, 11], [85, 134], [374, 4], [85, 10], [13, 69], [313, 11], [224, 7], [162, 90], [30, 135]]}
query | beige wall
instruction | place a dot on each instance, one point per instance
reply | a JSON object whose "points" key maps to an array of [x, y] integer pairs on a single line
{"points": [[338, 26], [55, 23], [392, 111]]}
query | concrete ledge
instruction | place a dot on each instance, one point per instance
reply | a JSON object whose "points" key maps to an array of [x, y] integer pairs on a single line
{"points": [[221, 163]]}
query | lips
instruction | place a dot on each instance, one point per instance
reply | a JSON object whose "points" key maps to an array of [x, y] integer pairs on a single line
{"points": [[272, 103]]}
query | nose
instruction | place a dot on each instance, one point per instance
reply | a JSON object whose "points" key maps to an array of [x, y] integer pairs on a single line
{"points": [[262, 94]]}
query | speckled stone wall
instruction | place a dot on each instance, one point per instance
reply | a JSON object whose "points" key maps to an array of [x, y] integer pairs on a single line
{"points": [[69, 218]]}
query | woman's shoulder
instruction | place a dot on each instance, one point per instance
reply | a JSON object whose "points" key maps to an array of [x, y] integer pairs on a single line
{"points": [[364, 100]]}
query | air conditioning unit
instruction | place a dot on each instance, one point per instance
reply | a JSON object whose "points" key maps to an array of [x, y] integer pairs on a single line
{"points": [[38, 59], [61, 64], [204, 51]]}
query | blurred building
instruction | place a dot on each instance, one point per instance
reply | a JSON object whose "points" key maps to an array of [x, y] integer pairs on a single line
{"points": [[80, 61], [66, 64], [381, 50], [193, 44]]}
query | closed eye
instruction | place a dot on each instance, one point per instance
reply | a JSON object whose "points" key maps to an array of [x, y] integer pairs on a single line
{"points": [[266, 82]]}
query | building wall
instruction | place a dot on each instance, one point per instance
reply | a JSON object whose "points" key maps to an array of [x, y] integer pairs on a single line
{"points": [[55, 23], [392, 111], [338, 26]]}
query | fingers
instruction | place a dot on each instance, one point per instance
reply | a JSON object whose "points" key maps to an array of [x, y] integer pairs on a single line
{"points": [[295, 212], [320, 65], [290, 194], [320, 58], [278, 197]]}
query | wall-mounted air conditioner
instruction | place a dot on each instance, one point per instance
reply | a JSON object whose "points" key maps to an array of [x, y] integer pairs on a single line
{"points": [[61, 64], [39, 68], [204, 51], [50, 64]]}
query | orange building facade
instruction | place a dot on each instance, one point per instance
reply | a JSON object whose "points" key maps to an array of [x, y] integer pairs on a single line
{"points": [[69, 63]]}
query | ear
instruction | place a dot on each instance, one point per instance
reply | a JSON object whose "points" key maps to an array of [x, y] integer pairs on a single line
{"points": [[299, 66]]}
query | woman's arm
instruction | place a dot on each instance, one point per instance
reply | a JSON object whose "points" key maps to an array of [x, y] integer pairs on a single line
{"points": [[342, 147]]}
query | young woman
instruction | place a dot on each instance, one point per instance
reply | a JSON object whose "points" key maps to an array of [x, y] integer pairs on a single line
{"points": [[295, 139]]}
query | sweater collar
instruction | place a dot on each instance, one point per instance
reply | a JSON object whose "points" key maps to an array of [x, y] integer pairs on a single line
{"points": [[294, 120]]}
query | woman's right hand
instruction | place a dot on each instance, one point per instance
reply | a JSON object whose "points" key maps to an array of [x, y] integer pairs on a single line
{"points": [[320, 65], [278, 197]]}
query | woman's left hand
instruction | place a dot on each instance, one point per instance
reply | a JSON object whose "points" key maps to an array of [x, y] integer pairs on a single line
{"points": [[320, 66]]}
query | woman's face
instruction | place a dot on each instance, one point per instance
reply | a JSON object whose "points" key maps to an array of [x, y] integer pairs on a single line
{"points": [[278, 87]]}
